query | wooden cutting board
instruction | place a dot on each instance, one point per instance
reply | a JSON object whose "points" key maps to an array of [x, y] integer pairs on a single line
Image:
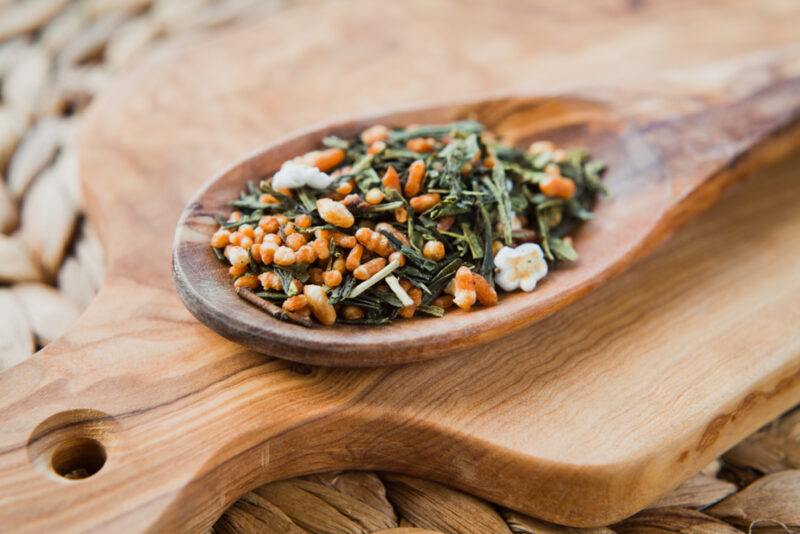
{"points": [[582, 419]]}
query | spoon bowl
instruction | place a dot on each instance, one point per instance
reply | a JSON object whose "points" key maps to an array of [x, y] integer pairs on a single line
{"points": [[660, 170]]}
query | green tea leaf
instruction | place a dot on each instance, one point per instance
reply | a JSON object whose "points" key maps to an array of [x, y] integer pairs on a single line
{"points": [[436, 130], [563, 249]]}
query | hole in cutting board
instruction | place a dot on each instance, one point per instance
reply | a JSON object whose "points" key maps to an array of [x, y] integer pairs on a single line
{"points": [[74, 444], [78, 458]]}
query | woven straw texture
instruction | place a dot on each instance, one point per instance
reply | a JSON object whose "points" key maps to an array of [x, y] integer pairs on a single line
{"points": [[55, 56]]}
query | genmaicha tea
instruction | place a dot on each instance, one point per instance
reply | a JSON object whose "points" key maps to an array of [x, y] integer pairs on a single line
{"points": [[400, 222]]}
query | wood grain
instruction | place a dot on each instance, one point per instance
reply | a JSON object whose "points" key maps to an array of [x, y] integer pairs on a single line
{"points": [[584, 419], [665, 164]]}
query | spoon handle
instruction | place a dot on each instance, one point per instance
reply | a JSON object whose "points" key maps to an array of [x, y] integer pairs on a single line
{"points": [[745, 115]]}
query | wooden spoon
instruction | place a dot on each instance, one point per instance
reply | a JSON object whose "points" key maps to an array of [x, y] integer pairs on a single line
{"points": [[669, 157]]}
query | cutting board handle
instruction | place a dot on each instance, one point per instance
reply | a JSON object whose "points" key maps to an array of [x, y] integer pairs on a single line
{"points": [[106, 429], [164, 424]]}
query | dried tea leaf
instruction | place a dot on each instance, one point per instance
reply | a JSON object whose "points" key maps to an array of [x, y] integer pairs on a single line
{"points": [[25, 81], [672, 520], [35, 152], [308, 510], [74, 282], [432, 505], [523, 524], [16, 262], [8, 209], [700, 491], [563, 249], [771, 501], [277, 522], [466, 202], [23, 17], [49, 313], [16, 339]]}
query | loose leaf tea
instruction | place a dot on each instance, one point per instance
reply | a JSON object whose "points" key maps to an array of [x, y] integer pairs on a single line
{"points": [[401, 222]]}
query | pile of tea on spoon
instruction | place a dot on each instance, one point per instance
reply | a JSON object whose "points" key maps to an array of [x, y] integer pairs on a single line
{"points": [[401, 222]]}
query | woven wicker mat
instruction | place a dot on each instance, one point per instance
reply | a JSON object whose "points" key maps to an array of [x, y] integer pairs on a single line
{"points": [[55, 55]]}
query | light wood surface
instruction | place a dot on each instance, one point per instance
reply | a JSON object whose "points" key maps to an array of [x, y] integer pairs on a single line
{"points": [[665, 163], [584, 419]]}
